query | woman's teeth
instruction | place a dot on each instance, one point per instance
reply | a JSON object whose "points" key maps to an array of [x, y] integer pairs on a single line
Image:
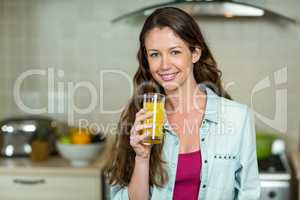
{"points": [[168, 77]]}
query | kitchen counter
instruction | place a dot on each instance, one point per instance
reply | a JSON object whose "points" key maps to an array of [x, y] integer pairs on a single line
{"points": [[54, 165]]}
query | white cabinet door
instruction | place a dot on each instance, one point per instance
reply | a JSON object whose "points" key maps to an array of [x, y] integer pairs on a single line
{"points": [[50, 187]]}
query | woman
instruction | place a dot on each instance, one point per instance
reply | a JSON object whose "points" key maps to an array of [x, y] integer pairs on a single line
{"points": [[208, 151]]}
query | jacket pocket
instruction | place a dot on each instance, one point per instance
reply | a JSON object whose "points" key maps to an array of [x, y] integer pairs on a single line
{"points": [[219, 194], [221, 174]]}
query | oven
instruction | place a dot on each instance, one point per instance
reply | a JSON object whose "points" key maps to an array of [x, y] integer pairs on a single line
{"points": [[275, 178]]}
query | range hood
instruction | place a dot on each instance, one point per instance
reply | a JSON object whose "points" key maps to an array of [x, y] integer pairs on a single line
{"points": [[210, 8]]}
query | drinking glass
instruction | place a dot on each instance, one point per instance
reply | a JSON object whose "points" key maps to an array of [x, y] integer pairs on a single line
{"points": [[154, 103]]}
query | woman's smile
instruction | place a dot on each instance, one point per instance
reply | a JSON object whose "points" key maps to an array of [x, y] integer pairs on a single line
{"points": [[168, 76]]}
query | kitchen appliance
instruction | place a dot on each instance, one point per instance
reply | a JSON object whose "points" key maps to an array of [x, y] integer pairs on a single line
{"points": [[275, 177], [17, 133], [209, 8]]}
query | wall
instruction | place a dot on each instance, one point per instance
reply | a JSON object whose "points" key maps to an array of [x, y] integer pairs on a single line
{"points": [[77, 41]]}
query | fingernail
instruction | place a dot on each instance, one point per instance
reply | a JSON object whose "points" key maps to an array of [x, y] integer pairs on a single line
{"points": [[148, 125]]}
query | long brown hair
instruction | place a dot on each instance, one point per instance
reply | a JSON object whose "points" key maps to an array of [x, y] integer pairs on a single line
{"points": [[121, 166]]}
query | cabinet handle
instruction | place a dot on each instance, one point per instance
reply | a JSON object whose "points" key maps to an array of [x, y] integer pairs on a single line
{"points": [[29, 182]]}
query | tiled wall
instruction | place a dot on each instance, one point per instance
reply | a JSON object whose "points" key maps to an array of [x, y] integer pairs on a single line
{"points": [[76, 40]]}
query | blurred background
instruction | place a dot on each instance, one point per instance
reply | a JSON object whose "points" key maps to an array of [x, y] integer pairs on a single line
{"points": [[67, 63]]}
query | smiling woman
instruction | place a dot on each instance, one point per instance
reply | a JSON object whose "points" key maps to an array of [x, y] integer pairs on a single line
{"points": [[208, 150]]}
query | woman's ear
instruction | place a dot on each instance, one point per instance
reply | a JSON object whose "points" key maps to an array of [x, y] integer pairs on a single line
{"points": [[196, 54]]}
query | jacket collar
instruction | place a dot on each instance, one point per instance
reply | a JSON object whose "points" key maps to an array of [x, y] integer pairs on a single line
{"points": [[212, 104]]}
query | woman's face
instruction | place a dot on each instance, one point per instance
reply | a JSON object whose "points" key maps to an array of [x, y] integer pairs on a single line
{"points": [[169, 58]]}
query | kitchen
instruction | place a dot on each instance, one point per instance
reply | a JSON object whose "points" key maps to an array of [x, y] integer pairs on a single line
{"points": [[68, 61]]}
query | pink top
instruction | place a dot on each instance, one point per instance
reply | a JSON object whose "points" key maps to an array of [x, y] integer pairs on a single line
{"points": [[187, 181]]}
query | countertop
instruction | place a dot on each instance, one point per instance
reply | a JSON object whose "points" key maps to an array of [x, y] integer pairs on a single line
{"points": [[54, 165]]}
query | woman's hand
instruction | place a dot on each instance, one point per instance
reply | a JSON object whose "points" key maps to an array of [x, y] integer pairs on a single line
{"points": [[136, 138]]}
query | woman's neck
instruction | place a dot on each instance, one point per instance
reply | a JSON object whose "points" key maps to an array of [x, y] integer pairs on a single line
{"points": [[185, 99]]}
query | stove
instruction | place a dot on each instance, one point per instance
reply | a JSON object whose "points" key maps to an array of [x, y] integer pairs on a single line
{"points": [[275, 178]]}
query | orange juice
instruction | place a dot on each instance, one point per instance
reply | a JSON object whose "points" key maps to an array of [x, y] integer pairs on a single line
{"points": [[155, 133]]}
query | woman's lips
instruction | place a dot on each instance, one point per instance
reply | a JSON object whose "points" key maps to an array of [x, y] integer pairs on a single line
{"points": [[168, 77]]}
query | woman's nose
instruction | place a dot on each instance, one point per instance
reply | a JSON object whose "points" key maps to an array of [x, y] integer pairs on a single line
{"points": [[165, 63]]}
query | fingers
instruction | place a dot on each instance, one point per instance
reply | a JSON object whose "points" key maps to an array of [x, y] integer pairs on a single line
{"points": [[143, 116], [140, 117], [140, 112], [139, 127], [136, 140], [142, 150]]}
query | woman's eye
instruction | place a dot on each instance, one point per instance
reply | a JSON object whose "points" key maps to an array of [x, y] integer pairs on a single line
{"points": [[153, 55], [175, 52]]}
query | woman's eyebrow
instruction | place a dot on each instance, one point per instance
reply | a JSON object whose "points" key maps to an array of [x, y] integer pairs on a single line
{"points": [[151, 50], [173, 47]]}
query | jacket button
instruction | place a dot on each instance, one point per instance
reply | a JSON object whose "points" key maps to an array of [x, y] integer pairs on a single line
{"points": [[205, 161], [202, 139], [204, 186]]}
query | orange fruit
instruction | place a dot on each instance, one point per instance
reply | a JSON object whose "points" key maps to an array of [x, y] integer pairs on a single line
{"points": [[81, 137]]}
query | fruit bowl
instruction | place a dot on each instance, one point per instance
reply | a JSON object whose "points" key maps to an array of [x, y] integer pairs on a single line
{"points": [[79, 154]]}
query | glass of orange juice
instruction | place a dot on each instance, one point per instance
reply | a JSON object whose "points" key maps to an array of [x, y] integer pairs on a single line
{"points": [[154, 103]]}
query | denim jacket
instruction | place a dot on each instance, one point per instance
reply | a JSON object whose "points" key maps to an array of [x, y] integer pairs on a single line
{"points": [[228, 148]]}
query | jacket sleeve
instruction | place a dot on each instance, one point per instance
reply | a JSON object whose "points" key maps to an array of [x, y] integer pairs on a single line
{"points": [[118, 193], [247, 176]]}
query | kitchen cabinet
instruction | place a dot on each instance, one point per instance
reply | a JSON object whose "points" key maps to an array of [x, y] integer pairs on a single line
{"points": [[54, 179]]}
